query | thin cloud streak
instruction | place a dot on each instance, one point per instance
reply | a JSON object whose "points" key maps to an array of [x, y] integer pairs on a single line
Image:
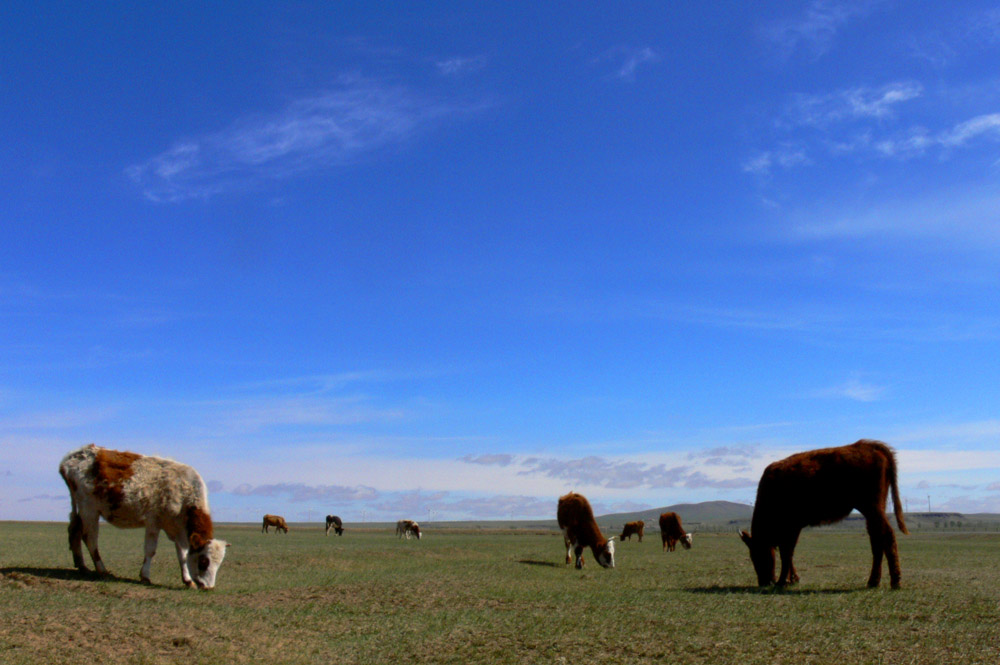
{"points": [[330, 128], [815, 30]]}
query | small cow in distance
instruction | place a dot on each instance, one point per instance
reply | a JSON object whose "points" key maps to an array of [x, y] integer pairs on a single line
{"points": [[632, 528], [576, 519], [135, 491], [277, 521], [822, 487], [406, 528], [333, 522], [671, 531]]}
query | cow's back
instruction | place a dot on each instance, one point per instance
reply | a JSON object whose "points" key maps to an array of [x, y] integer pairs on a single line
{"points": [[823, 486], [670, 524], [127, 488]]}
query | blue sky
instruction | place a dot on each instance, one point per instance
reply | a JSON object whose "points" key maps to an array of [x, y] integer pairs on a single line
{"points": [[450, 261]]}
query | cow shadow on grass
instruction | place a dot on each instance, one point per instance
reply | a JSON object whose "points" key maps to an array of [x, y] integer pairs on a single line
{"points": [[536, 562], [773, 591], [67, 574]]}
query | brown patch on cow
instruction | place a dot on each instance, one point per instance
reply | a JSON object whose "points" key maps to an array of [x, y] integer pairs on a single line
{"points": [[199, 527], [111, 469]]}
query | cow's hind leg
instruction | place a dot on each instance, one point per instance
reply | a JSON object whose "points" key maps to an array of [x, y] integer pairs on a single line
{"points": [[883, 542], [89, 525], [152, 535], [76, 540]]}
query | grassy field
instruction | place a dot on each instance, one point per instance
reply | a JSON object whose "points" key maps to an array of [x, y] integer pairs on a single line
{"points": [[489, 598]]}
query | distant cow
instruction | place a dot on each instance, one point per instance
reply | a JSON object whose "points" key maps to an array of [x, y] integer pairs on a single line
{"points": [[333, 522], [671, 531], [406, 528], [277, 521], [135, 491], [632, 528], [822, 487], [576, 519]]}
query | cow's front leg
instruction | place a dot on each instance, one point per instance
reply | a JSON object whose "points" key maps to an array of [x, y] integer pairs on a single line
{"points": [[786, 551], [182, 551], [152, 535]]}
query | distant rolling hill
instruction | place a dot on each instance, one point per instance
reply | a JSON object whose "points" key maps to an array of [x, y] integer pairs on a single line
{"points": [[715, 513]]}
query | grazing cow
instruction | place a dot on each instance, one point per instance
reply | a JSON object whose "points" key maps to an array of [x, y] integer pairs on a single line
{"points": [[406, 528], [671, 531], [277, 521], [632, 528], [132, 491], [576, 519], [333, 522], [822, 487]]}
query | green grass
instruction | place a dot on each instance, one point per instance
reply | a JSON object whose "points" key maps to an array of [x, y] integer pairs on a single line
{"points": [[479, 597]]}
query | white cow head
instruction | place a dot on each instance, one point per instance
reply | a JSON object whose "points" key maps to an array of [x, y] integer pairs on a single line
{"points": [[686, 540], [203, 563], [606, 555]]}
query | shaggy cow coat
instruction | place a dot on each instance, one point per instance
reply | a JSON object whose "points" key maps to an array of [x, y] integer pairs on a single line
{"points": [[135, 491], [671, 531], [822, 487], [576, 519]]}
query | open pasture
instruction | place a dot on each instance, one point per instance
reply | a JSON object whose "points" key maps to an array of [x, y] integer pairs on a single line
{"points": [[486, 597]]}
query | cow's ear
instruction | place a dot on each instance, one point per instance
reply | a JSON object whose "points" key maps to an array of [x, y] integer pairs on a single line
{"points": [[745, 537]]}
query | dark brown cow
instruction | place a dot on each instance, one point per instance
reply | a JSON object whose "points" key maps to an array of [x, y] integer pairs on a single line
{"points": [[277, 521], [671, 531], [632, 528], [576, 519], [822, 487], [333, 522]]}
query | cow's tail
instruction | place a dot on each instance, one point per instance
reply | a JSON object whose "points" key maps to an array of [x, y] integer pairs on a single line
{"points": [[894, 487]]}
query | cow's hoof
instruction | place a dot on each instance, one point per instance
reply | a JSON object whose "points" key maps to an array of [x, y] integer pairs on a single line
{"points": [[146, 581], [190, 584]]}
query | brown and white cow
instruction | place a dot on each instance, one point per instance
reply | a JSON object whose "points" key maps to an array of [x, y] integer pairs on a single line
{"points": [[576, 519], [135, 491], [406, 528], [822, 487], [631, 528], [277, 521], [333, 522], [671, 531]]}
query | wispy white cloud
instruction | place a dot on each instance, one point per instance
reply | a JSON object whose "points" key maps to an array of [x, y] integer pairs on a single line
{"points": [[624, 474], [460, 65], [853, 389], [323, 130], [814, 31], [785, 156], [956, 216], [850, 104], [257, 414], [299, 492], [489, 460], [628, 60]]}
